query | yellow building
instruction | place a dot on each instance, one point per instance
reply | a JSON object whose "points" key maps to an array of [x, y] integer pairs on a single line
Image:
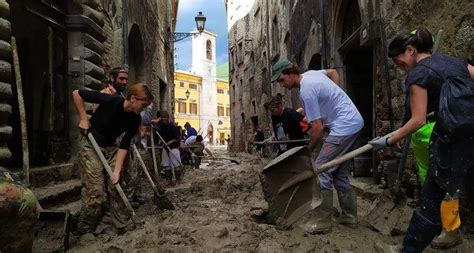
{"points": [[187, 93], [223, 110], [187, 89]]}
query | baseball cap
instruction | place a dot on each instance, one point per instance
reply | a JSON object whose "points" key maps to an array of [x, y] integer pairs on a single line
{"points": [[278, 67]]}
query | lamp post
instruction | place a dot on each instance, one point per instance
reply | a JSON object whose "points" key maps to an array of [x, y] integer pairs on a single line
{"points": [[200, 25], [187, 93]]}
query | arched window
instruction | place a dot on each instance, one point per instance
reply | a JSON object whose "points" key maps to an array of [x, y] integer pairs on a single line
{"points": [[209, 49]]}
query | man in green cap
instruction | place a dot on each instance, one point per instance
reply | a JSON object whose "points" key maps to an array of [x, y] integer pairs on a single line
{"points": [[326, 106]]}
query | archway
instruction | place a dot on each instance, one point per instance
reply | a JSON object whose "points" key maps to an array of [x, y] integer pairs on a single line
{"points": [[136, 64]]}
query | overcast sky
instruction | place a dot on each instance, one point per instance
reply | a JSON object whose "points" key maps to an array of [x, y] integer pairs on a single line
{"points": [[216, 22]]}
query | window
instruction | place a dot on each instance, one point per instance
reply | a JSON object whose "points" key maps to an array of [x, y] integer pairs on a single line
{"points": [[181, 84], [182, 107], [220, 91], [220, 111], [239, 54], [232, 59], [193, 86], [227, 111], [252, 89], [275, 36], [193, 108], [209, 50]]}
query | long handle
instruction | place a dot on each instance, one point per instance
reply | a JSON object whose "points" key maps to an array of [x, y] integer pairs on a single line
{"points": [[21, 109], [153, 154], [347, 156], [145, 170], [168, 148], [279, 142], [109, 171]]}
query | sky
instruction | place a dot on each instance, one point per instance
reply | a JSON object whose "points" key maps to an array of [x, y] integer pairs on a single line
{"points": [[216, 22]]}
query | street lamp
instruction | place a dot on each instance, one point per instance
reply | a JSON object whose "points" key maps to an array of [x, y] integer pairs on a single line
{"points": [[200, 24], [187, 93]]}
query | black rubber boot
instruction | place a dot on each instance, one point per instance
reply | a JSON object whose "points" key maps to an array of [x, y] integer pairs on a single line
{"points": [[348, 203], [420, 233]]}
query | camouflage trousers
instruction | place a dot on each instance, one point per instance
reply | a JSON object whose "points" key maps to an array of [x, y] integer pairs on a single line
{"points": [[133, 177], [18, 214], [97, 189]]}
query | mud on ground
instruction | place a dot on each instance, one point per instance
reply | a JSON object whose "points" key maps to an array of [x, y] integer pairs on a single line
{"points": [[215, 211]]}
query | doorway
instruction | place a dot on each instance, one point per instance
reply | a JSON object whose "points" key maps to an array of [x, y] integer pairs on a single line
{"points": [[358, 62], [42, 53]]}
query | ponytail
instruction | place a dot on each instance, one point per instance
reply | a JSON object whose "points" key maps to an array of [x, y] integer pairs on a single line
{"points": [[421, 39]]}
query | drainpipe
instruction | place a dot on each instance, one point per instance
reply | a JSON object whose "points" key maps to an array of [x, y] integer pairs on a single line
{"points": [[269, 66], [125, 33], [322, 19]]}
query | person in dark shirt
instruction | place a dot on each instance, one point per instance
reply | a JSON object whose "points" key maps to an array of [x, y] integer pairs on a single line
{"points": [[191, 131], [259, 137], [113, 126], [171, 134], [286, 124], [449, 158]]}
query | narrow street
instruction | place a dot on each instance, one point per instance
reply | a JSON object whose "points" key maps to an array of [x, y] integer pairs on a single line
{"points": [[217, 208]]}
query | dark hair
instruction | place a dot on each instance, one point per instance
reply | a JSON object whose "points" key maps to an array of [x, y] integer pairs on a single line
{"points": [[187, 125], [141, 92], [115, 72], [291, 70], [275, 101], [199, 138], [421, 39], [162, 114]]}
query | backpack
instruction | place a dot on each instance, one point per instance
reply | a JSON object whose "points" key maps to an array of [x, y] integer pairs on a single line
{"points": [[455, 117]]}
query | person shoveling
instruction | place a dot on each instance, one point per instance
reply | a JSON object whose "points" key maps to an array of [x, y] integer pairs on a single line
{"points": [[116, 116], [285, 183], [169, 135]]}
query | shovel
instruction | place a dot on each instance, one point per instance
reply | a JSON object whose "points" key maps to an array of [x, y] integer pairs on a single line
{"points": [[109, 171], [168, 150], [153, 154], [160, 199], [289, 184], [220, 158]]}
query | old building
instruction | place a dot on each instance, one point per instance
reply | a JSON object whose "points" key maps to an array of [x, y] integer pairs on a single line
{"points": [[66, 45], [350, 36], [187, 94], [201, 96]]}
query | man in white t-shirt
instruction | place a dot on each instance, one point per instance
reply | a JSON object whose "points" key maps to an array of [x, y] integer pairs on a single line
{"points": [[326, 105], [196, 146]]}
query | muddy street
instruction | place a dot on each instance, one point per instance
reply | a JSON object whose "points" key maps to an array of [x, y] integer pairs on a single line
{"points": [[218, 208]]}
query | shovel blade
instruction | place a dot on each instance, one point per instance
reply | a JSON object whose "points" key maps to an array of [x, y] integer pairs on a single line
{"points": [[386, 213], [52, 232], [163, 202], [289, 199]]}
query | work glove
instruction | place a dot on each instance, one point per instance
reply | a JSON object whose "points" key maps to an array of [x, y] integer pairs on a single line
{"points": [[379, 142], [84, 126]]}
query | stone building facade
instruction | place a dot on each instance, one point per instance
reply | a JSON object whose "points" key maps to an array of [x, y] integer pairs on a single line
{"points": [[350, 36], [66, 45]]}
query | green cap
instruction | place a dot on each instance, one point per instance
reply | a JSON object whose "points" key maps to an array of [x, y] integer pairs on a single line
{"points": [[278, 67]]}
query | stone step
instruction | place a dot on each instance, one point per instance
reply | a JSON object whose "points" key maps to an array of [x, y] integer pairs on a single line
{"points": [[72, 207], [58, 194], [42, 176]]}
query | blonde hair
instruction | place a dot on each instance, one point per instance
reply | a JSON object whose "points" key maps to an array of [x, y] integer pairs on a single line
{"points": [[140, 91]]}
